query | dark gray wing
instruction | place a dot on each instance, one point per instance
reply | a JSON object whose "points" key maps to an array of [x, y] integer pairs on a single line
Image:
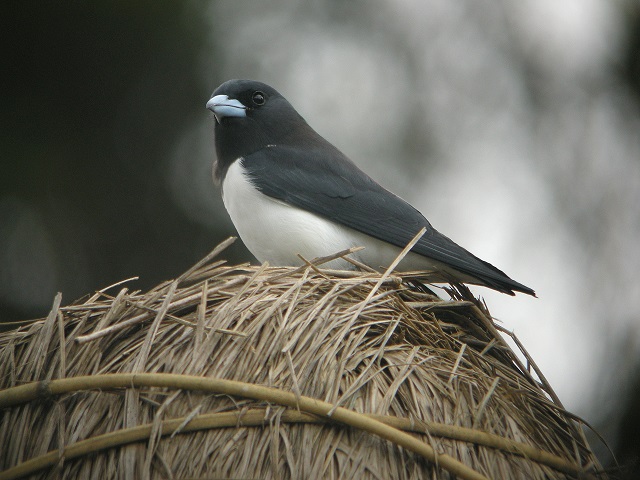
{"points": [[324, 181]]}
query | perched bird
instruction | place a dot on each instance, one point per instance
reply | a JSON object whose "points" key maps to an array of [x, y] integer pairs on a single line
{"points": [[289, 191]]}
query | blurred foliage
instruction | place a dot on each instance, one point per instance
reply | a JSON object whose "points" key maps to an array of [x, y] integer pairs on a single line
{"points": [[627, 422], [94, 96], [631, 56]]}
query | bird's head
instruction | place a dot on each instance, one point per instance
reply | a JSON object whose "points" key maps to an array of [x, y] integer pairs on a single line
{"points": [[250, 115]]}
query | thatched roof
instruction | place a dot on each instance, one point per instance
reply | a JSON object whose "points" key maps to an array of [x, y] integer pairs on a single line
{"points": [[260, 372]]}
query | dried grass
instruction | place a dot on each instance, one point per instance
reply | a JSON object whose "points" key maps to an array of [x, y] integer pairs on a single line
{"points": [[260, 372]]}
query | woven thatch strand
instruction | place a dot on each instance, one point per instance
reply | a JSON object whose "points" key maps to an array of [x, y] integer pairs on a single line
{"points": [[261, 372]]}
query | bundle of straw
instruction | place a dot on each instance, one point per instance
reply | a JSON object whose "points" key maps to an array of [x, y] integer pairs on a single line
{"points": [[261, 372]]}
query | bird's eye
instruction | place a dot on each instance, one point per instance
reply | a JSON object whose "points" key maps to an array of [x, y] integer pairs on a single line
{"points": [[258, 98]]}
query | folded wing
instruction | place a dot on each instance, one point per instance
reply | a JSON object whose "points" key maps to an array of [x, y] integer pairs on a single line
{"points": [[327, 183]]}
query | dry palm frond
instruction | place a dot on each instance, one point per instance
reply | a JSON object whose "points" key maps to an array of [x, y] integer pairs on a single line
{"points": [[262, 372]]}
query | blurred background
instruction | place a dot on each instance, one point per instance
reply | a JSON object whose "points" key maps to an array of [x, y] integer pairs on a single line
{"points": [[513, 126]]}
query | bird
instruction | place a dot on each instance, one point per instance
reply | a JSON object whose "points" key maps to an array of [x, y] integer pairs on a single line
{"points": [[290, 194]]}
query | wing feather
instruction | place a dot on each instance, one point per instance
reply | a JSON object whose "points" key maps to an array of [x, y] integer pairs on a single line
{"points": [[326, 182]]}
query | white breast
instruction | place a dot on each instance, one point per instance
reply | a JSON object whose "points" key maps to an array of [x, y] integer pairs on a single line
{"points": [[276, 232]]}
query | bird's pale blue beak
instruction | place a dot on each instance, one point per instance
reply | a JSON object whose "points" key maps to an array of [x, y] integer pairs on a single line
{"points": [[223, 106]]}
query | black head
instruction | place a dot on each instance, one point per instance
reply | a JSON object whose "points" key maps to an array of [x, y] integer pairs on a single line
{"points": [[249, 116]]}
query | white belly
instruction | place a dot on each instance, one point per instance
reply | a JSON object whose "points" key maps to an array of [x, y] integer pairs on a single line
{"points": [[276, 232]]}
